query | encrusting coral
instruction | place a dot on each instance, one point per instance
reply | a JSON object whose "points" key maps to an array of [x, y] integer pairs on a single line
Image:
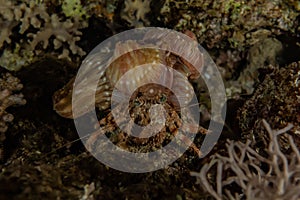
{"points": [[230, 23], [277, 100], [257, 58]]}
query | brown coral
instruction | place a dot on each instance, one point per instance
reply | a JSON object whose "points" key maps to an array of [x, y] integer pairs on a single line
{"points": [[135, 12], [237, 24], [8, 86], [276, 100], [64, 32]]}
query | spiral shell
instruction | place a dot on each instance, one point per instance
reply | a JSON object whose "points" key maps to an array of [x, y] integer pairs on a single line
{"points": [[127, 56], [145, 77]]}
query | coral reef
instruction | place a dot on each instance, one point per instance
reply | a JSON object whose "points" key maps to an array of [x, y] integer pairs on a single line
{"points": [[9, 85], [38, 25], [264, 164], [39, 153], [246, 174], [277, 100], [237, 24]]}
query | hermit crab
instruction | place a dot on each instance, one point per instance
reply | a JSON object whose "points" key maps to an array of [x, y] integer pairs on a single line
{"points": [[158, 97]]}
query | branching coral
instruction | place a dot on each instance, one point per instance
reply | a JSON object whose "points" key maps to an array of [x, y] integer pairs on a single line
{"points": [[8, 86], [244, 173], [73, 8], [64, 32], [14, 59], [135, 12], [37, 25], [7, 21]]}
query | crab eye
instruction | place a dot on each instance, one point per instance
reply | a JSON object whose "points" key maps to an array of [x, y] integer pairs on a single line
{"points": [[137, 103], [163, 98]]}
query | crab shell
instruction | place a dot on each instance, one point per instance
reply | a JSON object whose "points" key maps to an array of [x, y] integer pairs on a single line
{"points": [[125, 59]]}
